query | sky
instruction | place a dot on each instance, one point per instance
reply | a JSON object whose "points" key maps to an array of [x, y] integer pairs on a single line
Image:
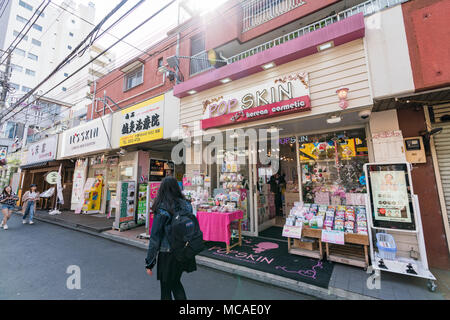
{"points": [[156, 29]]}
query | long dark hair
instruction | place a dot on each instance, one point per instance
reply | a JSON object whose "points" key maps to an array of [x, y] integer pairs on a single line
{"points": [[169, 193], [6, 193]]}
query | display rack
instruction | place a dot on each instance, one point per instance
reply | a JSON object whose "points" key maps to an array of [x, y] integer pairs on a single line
{"points": [[354, 252], [308, 249]]}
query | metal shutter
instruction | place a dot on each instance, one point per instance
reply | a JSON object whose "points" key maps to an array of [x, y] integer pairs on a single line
{"points": [[442, 144]]}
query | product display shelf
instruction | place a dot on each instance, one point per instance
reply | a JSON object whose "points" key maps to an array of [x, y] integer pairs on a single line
{"points": [[307, 249], [354, 252]]}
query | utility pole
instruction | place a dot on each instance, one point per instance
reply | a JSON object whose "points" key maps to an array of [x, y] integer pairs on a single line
{"points": [[5, 81]]}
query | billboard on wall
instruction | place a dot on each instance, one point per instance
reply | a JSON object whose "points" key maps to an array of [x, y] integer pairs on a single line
{"points": [[274, 97], [44, 150], [86, 138], [143, 122]]}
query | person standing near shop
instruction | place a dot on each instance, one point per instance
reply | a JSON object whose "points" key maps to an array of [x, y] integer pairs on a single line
{"points": [[8, 201], [277, 182], [169, 201], [29, 200]]}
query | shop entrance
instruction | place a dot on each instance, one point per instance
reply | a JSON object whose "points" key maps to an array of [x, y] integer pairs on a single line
{"points": [[320, 168]]}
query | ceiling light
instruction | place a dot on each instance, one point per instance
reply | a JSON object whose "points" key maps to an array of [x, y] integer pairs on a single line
{"points": [[226, 80], [268, 65], [192, 92], [325, 46], [334, 119]]}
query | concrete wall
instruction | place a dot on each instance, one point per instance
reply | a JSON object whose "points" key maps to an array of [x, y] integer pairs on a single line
{"points": [[387, 52], [427, 31]]}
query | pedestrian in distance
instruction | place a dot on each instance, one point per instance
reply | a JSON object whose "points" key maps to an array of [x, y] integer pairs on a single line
{"points": [[29, 200], [8, 201], [175, 239]]}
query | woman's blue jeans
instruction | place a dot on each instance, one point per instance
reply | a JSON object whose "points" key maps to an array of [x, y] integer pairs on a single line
{"points": [[29, 210]]}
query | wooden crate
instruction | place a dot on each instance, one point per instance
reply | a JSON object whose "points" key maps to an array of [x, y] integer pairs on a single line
{"points": [[354, 255], [306, 245]]}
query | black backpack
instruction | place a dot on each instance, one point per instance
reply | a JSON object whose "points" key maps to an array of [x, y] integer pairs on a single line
{"points": [[186, 238]]}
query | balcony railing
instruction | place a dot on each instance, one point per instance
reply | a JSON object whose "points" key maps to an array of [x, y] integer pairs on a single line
{"points": [[257, 12], [199, 63], [367, 8]]}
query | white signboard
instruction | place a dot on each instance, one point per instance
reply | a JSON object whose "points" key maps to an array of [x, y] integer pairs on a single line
{"points": [[52, 177], [333, 236], [89, 137], [292, 232], [44, 150]]}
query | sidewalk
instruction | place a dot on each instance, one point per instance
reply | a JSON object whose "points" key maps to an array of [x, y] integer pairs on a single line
{"points": [[346, 282]]}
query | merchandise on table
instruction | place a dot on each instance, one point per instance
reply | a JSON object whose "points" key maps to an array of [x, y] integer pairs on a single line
{"points": [[349, 219]]}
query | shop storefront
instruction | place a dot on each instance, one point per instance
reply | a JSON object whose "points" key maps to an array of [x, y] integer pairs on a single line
{"points": [[316, 136], [143, 133], [39, 166], [95, 165]]}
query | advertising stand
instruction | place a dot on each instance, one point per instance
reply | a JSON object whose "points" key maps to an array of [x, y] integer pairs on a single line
{"points": [[394, 212], [125, 219]]}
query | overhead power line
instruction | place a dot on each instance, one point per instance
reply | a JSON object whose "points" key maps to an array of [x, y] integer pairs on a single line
{"points": [[99, 55], [64, 62]]}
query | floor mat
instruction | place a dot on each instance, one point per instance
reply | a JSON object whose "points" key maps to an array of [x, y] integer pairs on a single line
{"points": [[273, 233], [272, 257]]}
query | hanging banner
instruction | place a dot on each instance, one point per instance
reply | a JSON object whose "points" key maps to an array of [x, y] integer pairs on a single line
{"points": [[143, 122]]}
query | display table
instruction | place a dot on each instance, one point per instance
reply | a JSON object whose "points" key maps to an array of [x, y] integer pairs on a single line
{"points": [[216, 226], [354, 252]]}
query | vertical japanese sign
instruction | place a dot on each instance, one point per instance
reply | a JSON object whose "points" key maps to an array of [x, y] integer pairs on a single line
{"points": [[142, 203], [142, 122], [127, 201]]}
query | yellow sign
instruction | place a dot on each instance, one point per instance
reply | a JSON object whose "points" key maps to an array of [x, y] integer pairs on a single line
{"points": [[143, 122], [93, 196], [145, 136]]}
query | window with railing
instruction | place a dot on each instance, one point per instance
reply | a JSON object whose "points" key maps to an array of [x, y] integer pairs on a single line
{"points": [[134, 78], [199, 57], [256, 12]]}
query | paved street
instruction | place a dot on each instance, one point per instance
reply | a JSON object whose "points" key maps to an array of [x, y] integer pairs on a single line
{"points": [[34, 260]]}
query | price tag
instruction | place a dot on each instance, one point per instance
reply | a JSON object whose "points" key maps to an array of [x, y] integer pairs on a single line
{"points": [[292, 232], [333, 236]]}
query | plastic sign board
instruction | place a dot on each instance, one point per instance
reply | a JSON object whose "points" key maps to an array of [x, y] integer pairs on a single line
{"points": [[292, 232], [333, 236], [52, 177], [44, 150], [142, 122], [273, 97]]}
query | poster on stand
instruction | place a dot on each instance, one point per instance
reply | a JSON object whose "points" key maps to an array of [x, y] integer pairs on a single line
{"points": [[390, 192]]}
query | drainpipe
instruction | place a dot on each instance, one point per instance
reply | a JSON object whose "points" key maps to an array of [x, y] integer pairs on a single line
{"points": [[93, 99]]}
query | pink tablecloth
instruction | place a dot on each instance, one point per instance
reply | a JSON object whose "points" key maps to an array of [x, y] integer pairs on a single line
{"points": [[216, 225]]}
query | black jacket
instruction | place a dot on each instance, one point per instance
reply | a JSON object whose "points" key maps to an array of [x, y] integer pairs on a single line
{"points": [[160, 234]]}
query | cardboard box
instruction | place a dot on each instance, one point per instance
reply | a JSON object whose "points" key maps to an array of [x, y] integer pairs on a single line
{"points": [[313, 245]]}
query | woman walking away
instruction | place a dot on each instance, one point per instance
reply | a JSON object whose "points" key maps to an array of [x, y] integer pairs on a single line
{"points": [[170, 208], [29, 200], [8, 201]]}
